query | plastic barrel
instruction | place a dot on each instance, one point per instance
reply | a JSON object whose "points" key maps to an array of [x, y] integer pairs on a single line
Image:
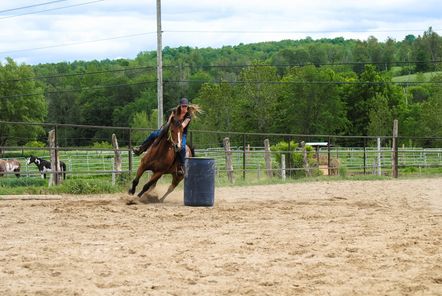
{"points": [[199, 182]]}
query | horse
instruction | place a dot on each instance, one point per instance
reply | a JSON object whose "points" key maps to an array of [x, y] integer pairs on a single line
{"points": [[161, 158], [10, 165], [45, 166]]}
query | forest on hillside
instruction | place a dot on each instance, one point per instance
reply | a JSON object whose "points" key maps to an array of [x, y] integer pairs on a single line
{"points": [[326, 86]]}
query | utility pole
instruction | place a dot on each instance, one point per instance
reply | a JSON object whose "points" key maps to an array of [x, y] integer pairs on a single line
{"points": [[159, 66]]}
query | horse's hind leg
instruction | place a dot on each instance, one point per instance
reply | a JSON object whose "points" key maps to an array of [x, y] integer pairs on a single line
{"points": [[175, 181], [151, 183]]}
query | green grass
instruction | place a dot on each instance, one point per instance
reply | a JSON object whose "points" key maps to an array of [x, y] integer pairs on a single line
{"points": [[95, 185], [351, 159], [416, 77]]}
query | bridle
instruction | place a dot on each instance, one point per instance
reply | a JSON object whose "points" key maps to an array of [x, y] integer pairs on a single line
{"points": [[176, 145]]}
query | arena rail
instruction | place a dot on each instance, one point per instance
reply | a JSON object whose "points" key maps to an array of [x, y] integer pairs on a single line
{"points": [[326, 154]]}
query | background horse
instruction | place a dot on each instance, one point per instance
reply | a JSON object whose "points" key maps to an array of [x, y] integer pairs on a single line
{"points": [[45, 166], [10, 165], [161, 158]]}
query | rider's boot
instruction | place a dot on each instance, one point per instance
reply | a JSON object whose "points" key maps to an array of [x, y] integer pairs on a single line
{"points": [[143, 147]]}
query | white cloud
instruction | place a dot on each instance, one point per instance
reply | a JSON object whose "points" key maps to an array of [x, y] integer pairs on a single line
{"points": [[231, 22]]}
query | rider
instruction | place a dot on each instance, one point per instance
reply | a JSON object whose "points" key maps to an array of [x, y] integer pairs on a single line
{"points": [[184, 118]]}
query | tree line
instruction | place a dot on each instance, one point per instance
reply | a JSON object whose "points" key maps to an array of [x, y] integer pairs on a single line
{"points": [[326, 86]]}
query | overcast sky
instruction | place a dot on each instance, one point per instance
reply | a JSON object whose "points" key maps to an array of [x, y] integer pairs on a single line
{"points": [[68, 30]]}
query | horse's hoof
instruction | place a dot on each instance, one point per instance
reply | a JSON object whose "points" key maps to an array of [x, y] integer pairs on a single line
{"points": [[131, 192], [130, 202]]}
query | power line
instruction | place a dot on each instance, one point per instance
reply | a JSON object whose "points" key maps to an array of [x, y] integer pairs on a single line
{"points": [[51, 9], [307, 82], [30, 6], [292, 32], [184, 31], [78, 74], [78, 89], [78, 43], [213, 66], [404, 83], [210, 66]]}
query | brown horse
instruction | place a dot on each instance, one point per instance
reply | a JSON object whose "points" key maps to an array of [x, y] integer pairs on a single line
{"points": [[161, 158]]}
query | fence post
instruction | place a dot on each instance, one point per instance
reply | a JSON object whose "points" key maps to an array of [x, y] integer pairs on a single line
{"points": [[244, 157], [283, 166], [54, 177], [395, 158], [130, 151], [268, 158], [329, 157], [379, 156], [289, 156], [116, 167], [365, 156], [229, 165]]}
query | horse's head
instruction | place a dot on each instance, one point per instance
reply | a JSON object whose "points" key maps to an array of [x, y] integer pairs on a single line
{"points": [[175, 133], [32, 159]]}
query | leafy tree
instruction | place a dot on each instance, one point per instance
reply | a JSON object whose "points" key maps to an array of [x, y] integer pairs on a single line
{"points": [[20, 100], [359, 97], [432, 110], [380, 118], [141, 120], [310, 102], [257, 98], [218, 104]]}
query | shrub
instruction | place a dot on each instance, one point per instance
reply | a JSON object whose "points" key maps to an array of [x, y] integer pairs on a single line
{"points": [[82, 186], [102, 145], [296, 156]]}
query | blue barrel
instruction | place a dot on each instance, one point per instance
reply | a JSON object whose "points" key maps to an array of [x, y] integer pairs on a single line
{"points": [[199, 182]]}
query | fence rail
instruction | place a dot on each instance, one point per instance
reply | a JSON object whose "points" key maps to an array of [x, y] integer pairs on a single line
{"points": [[349, 154]]}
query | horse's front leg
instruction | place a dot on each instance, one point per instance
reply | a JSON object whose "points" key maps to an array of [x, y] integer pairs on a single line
{"points": [[135, 181], [152, 182], [176, 179]]}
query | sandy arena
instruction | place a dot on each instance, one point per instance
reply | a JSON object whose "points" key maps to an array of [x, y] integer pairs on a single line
{"points": [[321, 238]]}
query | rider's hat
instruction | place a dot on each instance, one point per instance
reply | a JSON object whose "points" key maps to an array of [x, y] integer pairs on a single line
{"points": [[184, 102]]}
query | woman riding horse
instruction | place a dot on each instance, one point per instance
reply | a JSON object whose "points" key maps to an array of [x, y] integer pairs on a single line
{"points": [[166, 150], [183, 113]]}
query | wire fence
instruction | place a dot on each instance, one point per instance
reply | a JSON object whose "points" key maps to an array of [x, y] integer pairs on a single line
{"points": [[323, 155]]}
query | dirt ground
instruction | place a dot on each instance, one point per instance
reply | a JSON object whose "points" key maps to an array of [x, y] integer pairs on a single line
{"points": [[321, 238]]}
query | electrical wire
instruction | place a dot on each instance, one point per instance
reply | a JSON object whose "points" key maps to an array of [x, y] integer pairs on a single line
{"points": [[78, 89], [78, 43], [78, 74], [30, 6], [406, 83], [214, 66], [51, 9], [292, 32]]}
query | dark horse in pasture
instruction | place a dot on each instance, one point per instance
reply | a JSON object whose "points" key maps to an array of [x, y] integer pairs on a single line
{"points": [[161, 158], [44, 166]]}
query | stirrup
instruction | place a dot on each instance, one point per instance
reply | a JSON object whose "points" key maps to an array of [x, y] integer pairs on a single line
{"points": [[180, 169]]}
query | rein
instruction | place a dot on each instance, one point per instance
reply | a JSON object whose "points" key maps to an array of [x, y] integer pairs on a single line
{"points": [[170, 139]]}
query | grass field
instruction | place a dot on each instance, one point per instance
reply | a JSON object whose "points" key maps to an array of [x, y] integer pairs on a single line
{"points": [[416, 77]]}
